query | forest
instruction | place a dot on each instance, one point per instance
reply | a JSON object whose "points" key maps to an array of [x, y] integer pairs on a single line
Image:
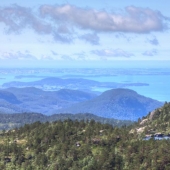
{"points": [[81, 144], [10, 121]]}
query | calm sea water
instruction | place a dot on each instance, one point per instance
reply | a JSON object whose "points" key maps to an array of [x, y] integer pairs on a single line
{"points": [[158, 80], [159, 85]]}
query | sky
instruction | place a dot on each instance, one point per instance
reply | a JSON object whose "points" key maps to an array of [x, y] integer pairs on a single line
{"points": [[91, 33]]}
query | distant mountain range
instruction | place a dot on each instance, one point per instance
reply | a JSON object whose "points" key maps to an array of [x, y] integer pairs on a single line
{"points": [[31, 99], [117, 103]]}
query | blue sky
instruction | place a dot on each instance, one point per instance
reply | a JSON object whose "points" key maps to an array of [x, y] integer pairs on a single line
{"points": [[73, 33]]}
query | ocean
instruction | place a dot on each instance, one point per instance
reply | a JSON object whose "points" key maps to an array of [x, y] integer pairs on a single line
{"points": [[158, 80], [158, 85]]}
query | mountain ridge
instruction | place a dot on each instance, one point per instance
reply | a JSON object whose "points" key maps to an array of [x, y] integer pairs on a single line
{"points": [[118, 103], [36, 100]]}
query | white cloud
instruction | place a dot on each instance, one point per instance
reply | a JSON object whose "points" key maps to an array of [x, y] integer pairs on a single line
{"points": [[16, 55], [138, 20], [17, 18], [59, 21], [112, 53]]}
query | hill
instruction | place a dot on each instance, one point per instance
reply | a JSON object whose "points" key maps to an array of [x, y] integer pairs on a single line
{"points": [[75, 145], [9, 97], [31, 99], [156, 122], [116, 103]]}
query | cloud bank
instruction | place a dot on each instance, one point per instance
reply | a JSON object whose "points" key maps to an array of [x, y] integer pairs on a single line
{"points": [[65, 23], [17, 18], [134, 19], [65, 17], [16, 55]]}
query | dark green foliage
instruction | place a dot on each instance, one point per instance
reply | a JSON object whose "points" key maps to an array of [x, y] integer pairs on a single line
{"points": [[75, 145], [9, 121], [158, 121]]}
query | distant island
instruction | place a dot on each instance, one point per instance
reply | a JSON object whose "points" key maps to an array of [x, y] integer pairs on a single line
{"points": [[56, 83]]}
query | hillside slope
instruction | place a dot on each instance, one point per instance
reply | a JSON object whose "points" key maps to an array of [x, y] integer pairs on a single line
{"points": [[116, 103], [8, 97], [80, 145], [156, 122], [31, 99]]}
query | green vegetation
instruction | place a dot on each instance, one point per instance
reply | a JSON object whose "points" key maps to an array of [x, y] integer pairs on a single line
{"points": [[119, 103], [157, 121], [9, 121], [78, 142], [80, 145]]}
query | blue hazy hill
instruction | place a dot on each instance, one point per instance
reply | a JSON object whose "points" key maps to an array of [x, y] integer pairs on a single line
{"points": [[36, 100], [116, 103]]}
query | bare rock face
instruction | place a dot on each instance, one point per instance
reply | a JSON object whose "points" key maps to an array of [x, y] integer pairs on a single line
{"points": [[143, 121], [140, 130], [151, 115]]}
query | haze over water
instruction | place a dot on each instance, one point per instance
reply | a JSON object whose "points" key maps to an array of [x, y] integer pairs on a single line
{"points": [[156, 80]]}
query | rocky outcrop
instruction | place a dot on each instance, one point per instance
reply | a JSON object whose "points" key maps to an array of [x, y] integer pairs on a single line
{"points": [[143, 121], [140, 130]]}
